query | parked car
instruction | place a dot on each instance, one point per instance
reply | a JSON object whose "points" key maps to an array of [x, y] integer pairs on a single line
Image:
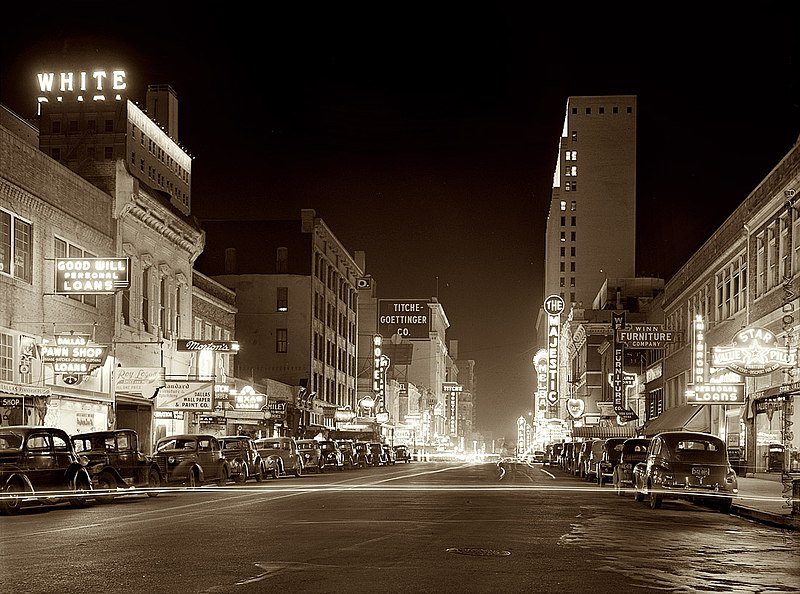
{"points": [[330, 456], [191, 459], [378, 455], [402, 454], [553, 453], [280, 456], [686, 464], [115, 462], [245, 461], [388, 454], [609, 458], [348, 453], [537, 457], [565, 456], [363, 453], [310, 453], [591, 463], [581, 457], [634, 450], [36, 460]]}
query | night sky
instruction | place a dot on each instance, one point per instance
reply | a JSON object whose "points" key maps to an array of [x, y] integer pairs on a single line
{"points": [[428, 138]]}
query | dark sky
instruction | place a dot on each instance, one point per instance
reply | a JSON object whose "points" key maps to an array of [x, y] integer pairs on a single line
{"points": [[427, 138]]}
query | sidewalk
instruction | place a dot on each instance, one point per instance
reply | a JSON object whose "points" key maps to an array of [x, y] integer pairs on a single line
{"points": [[762, 499]]}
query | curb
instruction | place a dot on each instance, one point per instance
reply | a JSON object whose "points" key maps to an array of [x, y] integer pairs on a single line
{"points": [[777, 520]]}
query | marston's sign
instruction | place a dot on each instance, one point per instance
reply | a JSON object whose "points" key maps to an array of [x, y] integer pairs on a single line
{"points": [[219, 346], [91, 276]]}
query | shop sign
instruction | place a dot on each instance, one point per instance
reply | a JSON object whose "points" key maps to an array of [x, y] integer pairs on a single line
{"points": [[186, 395], [20, 390], [277, 410], [73, 354], [553, 307], [408, 318], [755, 351], [645, 336], [247, 399], [176, 415], [139, 380], [708, 393], [91, 276], [217, 346], [13, 402]]}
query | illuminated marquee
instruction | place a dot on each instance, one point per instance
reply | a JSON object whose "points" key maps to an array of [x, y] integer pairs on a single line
{"points": [[380, 363], [91, 276], [553, 307], [73, 354], [94, 84], [755, 351]]}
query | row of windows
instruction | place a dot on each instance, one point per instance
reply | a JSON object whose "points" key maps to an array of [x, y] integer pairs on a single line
{"points": [[91, 153], [571, 236], [335, 320], [328, 352], [573, 205], [160, 154], [330, 277], [572, 221], [601, 110], [572, 252], [73, 126]]}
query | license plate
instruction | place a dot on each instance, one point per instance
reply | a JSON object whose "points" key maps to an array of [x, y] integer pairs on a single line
{"points": [[700, 471]]}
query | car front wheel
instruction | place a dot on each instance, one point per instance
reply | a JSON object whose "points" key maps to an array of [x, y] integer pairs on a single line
{"points": [[11, 503], [153, 483], [655, 498], [83, 485], [106, 482]]}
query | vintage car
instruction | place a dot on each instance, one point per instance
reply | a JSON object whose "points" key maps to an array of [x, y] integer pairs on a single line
{"points": [[348, 453], [686, 464], [191, 459], [241, 453], [388, 454], [310, 453], [552, 454], [537, 457], [634, 450], [363, 453], [610, 451], [565, 460], [330, 456], [402, 454], [581, 457], [280, 456], [116, 464], [378, 455], [40, 465], [591, 462]]}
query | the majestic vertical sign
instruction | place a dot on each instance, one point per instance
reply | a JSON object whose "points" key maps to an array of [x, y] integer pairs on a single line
{"points": [[553, 307]]}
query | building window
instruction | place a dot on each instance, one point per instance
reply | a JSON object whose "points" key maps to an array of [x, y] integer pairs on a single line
{"points": [[601, 110], [73, 126], [563, 221], [574, 136], [572, 235], [571, 297], [572, 221], [6, 358], [146, 299], [572, 281], [572, 251], [281, 340], [572, 266], [561, 264], [282, 260], [64, 249], [163, 313], [126, 307], [731, 285], [283, 299], [109, 125], [16, 256], [108, 153], [563, 249], [574, 206], [561, 282], [563, 205], [575, 111], [178, 311], [588, 111], [55, 127], [615, 109], [563, 236]]}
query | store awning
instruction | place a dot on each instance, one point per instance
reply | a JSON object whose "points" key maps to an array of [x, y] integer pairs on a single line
{"points": [[601, 432], [679, 418]]}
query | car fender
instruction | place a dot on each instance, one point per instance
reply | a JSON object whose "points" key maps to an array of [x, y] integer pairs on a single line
{"points": [[78, 470], [19, 478], [95, 469]]}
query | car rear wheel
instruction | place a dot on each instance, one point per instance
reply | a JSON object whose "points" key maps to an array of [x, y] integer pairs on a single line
{"points": [[83, 485], [298, 471], [11, 503], [655, 498], [241, 478], [153, 483], [260, 473], [106, 482]]}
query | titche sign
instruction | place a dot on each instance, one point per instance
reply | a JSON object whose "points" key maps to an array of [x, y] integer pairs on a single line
{"points": [[91, 276], [408, 318]]}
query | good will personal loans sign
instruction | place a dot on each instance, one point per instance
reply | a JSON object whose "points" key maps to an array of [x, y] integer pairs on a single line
{"points": [[92, 276]]}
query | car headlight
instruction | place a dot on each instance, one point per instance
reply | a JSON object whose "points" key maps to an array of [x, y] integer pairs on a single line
{"points": [[171, 459]]}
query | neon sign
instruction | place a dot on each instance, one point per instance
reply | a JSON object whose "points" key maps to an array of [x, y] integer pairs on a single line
{"points": [[553, 307], [755, 351], [80, 84]]}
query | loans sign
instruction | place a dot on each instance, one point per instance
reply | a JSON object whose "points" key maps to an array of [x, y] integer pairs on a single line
{"points": [[91, 276]]}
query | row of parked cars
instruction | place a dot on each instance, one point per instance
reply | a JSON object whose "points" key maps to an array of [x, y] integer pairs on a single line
{"points": [[674, 464], [46, 465]]}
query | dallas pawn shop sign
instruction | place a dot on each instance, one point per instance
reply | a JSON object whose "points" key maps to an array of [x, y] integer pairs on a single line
{"points": [[92, 276]]}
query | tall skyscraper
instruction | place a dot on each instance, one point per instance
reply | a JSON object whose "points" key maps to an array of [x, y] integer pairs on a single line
{"points": [[591, 226]]}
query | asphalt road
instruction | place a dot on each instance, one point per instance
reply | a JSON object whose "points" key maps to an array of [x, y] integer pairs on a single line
{"points": [[419, 527]]}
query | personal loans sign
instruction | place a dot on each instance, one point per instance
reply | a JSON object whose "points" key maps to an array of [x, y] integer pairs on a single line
{"points": [[92, 276], [409, 318]]}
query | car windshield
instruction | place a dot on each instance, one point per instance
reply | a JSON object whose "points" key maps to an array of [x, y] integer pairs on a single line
{"points": [[176, 444], [10, 441], [232, 444], [329, 447], [698, 450]]}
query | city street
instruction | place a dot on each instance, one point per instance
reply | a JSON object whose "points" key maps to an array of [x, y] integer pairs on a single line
{"points": [[419, 527]]}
